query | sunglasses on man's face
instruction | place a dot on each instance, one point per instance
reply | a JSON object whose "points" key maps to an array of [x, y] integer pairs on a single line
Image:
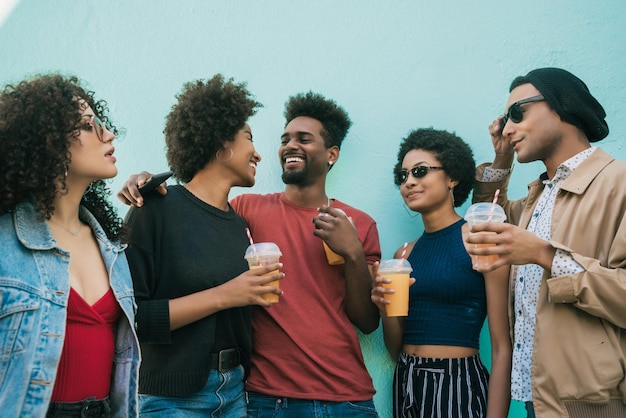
{"points": [[419, 171], [515, 111]]}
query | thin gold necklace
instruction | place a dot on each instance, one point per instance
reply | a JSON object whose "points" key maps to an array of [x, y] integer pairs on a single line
{"points": [[74, 233]]}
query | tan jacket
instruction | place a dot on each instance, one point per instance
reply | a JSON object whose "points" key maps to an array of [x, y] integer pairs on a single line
{"points": [[579, 351]]}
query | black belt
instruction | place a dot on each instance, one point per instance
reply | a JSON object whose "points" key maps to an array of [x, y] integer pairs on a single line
{"points": [[225, 359], [87, 408]]}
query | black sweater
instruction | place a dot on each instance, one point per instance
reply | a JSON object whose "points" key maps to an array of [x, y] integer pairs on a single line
{"points": [[180, 245]]}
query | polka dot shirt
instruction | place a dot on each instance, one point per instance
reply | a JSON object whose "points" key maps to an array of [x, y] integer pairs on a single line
{"points": [[528, 278]]}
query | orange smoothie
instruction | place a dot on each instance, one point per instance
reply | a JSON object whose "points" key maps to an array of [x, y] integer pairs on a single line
{"points": [[399, 305], [270, 297], [482, 261], [333, 258]]}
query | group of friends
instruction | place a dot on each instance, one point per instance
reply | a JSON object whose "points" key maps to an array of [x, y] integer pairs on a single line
{"points": [[159, 315]]}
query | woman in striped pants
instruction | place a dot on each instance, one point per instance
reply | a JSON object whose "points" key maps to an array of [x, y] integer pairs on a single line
{"points": [[439, 372]]}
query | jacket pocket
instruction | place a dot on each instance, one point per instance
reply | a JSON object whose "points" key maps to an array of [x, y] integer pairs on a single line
{"points": [[18, 309]]}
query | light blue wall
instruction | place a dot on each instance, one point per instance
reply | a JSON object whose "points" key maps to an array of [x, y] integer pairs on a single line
{"points": [[394, 66]]}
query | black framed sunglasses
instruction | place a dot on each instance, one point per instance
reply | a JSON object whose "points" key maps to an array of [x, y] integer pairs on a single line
{"points": [[419, 171], [515, 111]]}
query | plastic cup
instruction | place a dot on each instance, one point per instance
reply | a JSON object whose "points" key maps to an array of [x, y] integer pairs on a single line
{"points": [[480, 213], [332, 257], [261, 254], [398, 270]]}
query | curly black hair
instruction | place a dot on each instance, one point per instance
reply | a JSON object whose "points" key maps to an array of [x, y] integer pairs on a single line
{"points": [[334, 119], [39, 117], [455, 156], [206, 116]]}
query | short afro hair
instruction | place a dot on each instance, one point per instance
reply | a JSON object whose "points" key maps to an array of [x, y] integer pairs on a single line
{"points": [[334, 119], [455, 156], [206, 116]]}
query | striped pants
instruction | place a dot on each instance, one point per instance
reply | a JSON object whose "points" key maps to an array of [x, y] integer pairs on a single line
{"points": [[440, 388]]}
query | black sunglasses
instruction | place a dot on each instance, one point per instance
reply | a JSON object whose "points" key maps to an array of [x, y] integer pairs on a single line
{"points": [[515, 111], [419, 171]]}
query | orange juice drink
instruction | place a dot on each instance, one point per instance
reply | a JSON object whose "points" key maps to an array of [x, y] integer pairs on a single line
{"points": [[399, 305], [332, 257], [482, 261], [270, 297], [262, 254], [398, 270], [480, 213]]}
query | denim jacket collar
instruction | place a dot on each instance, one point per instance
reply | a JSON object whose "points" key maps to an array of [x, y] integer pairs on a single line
{"points": [[35, 234]]}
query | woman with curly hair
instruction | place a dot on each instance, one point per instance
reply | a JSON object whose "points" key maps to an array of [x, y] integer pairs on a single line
{"points": [[439, 372], [192, 284], [67, 308]]}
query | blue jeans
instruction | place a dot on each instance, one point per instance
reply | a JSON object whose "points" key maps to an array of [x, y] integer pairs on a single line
{"points": [[222, 397], [264, 406], [530, 411]]}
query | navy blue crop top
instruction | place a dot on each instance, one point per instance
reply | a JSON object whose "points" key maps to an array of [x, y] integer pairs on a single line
{"points": [[447, 302]]}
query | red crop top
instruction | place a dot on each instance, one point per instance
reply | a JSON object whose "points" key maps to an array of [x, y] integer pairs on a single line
{"points": [[87, 358]]}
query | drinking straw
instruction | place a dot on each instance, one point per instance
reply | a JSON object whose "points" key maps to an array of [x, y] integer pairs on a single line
{"points": [[249, 237], [495, 196], [404, 250], [493, 204], [252, 245]]}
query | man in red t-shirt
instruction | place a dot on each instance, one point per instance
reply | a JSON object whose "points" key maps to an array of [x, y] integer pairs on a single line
{"points": [[306, 352]]}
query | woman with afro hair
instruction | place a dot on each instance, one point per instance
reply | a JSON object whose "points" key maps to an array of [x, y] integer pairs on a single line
{"points": [[439, 372], [186, 253], [66, 297]]}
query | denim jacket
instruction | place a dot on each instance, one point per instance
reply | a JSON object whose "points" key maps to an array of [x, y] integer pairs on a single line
{"points": [[34, 291]]}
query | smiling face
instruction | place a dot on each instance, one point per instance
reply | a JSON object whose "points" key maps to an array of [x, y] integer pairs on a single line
{"points": [[539, 134], [428, 193], [91, 157], [303, 154], [244, 157]]}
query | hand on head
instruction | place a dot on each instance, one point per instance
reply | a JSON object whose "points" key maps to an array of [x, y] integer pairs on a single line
{"points": [[504, 152]]}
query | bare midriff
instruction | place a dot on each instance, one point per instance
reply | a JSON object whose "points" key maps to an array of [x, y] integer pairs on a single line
{"points": [[439, 351]]}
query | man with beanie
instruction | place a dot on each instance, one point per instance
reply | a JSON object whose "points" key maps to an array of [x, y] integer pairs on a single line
{"points": [[567, 242]]}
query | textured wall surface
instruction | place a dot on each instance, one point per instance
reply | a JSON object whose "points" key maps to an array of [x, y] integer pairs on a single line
{"points": [[394, 66]]}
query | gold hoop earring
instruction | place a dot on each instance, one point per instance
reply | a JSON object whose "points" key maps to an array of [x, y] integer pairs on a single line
{"points": [[217, 155]]}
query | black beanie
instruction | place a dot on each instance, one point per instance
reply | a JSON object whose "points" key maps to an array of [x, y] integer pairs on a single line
{"points": [[571, 100]]}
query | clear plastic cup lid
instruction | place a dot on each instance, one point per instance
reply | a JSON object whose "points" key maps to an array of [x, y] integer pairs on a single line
{"points": [[485, 212], [262, 249], [395, 265]]}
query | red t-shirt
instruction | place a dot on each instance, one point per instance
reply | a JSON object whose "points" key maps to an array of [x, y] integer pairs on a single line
{"points": [[305, 346], [87, 357]]}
